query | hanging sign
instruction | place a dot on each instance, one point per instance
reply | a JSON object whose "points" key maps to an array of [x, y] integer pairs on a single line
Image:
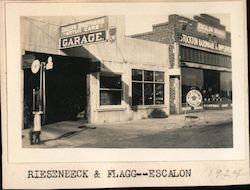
{"points": [[194, 98]]}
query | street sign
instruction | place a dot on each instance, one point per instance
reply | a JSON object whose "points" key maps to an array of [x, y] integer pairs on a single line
{"points": [[194, 98], [35, 66]]}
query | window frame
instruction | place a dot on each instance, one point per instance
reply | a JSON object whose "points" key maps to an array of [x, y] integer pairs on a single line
{"points": [[143, 82], [110, 89]]}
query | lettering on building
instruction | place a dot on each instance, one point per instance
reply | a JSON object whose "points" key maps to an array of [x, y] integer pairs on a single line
{"points": [[80, 40], [84, 27], [206, 29], [186, 39], [78, 34]]}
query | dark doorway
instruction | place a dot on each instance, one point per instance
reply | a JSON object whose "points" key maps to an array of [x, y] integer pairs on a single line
{"points": [[66, 89]]}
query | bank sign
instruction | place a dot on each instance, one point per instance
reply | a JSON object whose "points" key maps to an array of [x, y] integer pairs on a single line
{"points": [[78, 34]]}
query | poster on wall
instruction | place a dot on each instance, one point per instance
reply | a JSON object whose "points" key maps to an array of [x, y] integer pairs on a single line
{"points": [[99, 96]]}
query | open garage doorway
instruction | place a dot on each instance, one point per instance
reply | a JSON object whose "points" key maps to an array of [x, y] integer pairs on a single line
{"points": [[66, 93]]}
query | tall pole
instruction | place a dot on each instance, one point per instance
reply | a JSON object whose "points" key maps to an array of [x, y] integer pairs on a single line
{"points": [[34, 100], [40, 87], [44, 95]]}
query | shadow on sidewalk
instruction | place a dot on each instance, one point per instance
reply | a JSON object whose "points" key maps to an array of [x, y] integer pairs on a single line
{"points": [[69, 134]]}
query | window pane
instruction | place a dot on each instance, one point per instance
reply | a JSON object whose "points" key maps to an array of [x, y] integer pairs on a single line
{"points": [[136, 74], [199, 56], [191, 78], [211, 87], [110, 97], [159, 76], [148, 94], [136, 94], [182, 51], [148, 75], [113, 82], [226, 85], [202, 57], [159, 93]]}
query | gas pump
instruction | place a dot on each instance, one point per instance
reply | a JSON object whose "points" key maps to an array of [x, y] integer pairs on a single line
{"points": [[39, 99]]}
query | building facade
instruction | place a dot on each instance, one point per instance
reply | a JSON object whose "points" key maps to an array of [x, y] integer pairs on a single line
{"points": [[98, 73], [199, 58]]}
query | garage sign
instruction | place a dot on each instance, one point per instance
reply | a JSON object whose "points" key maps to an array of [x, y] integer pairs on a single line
{"points": [[85, 32], [194, 98], [82, 39]]}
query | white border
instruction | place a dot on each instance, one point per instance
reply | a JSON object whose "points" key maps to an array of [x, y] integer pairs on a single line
{"points": [[18, 154]]}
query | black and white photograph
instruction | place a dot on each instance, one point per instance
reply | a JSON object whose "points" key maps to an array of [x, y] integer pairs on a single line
{"points": [[124, 94], [100, 82]]}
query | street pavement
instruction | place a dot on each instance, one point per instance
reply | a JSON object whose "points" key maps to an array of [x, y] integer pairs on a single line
{"points": [[208, 129]]}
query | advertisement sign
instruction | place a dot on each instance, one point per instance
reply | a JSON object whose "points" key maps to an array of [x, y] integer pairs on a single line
{"points": [[90, 31], [206, 29], [194, 98], [82, 39], [186, 39], [84, 27]]}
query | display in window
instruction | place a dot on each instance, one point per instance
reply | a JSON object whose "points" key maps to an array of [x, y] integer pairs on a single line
{"points": [[147, 87], [159, 93], [148, 94], [215, 86]]}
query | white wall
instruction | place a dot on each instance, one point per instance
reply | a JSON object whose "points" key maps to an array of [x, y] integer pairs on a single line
{"points": [[119, 56]]}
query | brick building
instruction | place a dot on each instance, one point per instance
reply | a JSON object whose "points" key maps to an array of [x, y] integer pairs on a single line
{"points": [[199, 58]]}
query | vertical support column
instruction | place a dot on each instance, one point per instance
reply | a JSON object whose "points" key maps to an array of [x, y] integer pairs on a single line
{"points": [[23, 101], [175, 79], [175, 102], [92, 96], [88, 108]]}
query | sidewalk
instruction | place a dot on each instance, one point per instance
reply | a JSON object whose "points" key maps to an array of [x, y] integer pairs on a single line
{"points": [[75, 133]]}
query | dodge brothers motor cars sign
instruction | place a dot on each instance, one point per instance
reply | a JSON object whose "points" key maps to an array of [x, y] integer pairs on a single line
{"points": [[73, 35]]}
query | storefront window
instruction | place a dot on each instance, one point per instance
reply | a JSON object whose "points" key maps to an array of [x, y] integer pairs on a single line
{"points": [[214, 85], [148, 75], [226, 85], [110, 89], [148, 94], [147, 87], [159, 94], [137, 75], [159, 76], [137, 94], [192, 77]]}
